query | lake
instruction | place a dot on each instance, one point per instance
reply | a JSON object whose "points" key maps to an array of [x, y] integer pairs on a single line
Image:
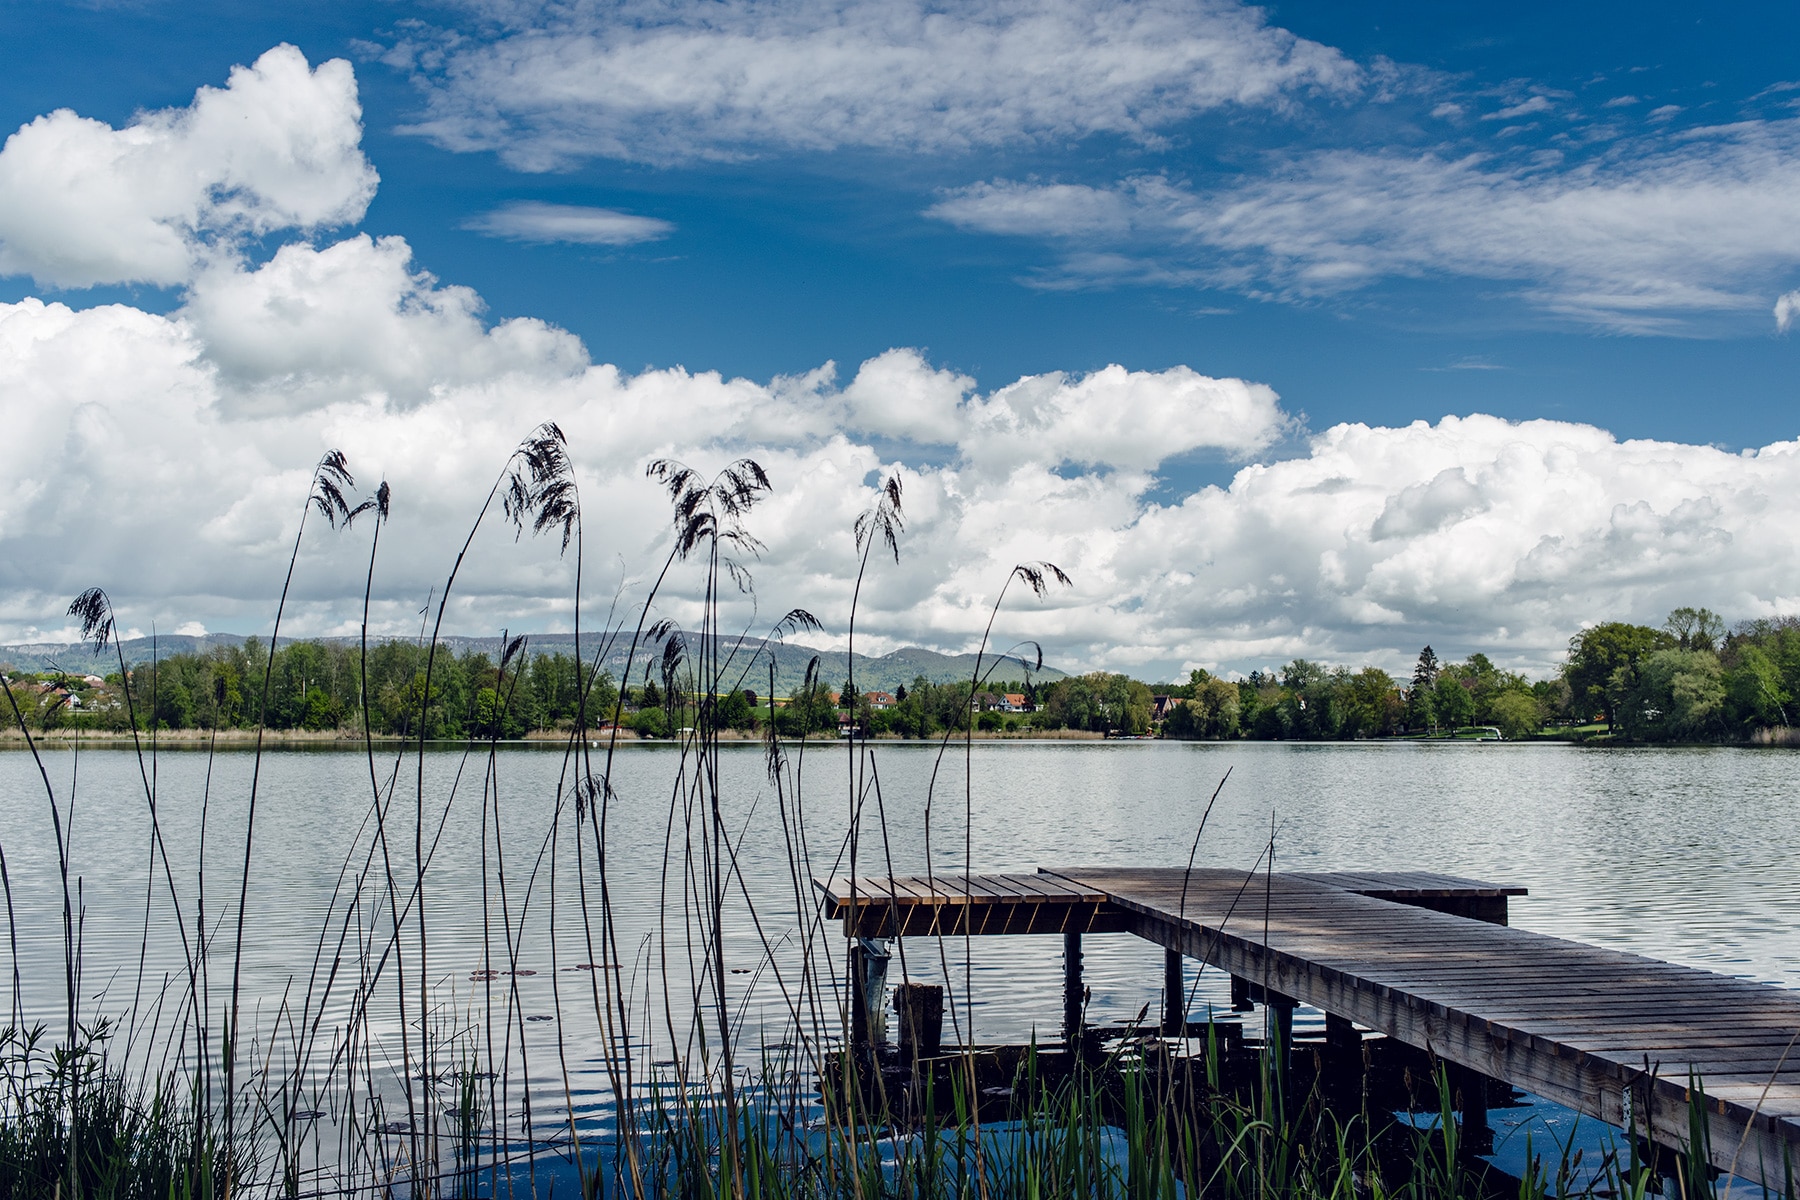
{"points": [[1682, 854]]}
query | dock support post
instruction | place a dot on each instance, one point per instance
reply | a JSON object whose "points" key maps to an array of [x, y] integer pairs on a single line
{"points": [[868, 988], [1174, 1019], [1468, 1089], [859, 1006], [921, 1010], [1073, 995], [1342, 1060], [1280, 1045]]}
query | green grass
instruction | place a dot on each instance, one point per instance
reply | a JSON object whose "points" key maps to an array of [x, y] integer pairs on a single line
{"points": [[77, 1126]]}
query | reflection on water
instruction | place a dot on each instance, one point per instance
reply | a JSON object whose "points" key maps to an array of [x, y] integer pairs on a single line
{"points": [[1683, 854]]}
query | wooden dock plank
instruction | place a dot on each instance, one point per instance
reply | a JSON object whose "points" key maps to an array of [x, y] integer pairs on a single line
{"points": [[1395, 952], [954, 905], [1571, 1022], [1418, 883]]}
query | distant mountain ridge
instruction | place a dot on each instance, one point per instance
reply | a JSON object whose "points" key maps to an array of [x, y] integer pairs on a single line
{"points": [[882, 673]]}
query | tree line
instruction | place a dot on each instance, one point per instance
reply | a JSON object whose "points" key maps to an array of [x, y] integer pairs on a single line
{"points": [[1690, 679], [319, 686]]}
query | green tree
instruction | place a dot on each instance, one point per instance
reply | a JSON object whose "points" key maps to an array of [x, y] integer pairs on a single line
{"points": [[1420, 713], [1695, 628], [736, 712], [651, 722], [1306, 700], [1452, 701], [1125, 703], [911, 714], [1371, 704], [1755, 691], [1072, 704], [807, 713], [1517, 713], [1596, 657], [1670, 693], [1262, 713], [319, 713], [1213, 712]]}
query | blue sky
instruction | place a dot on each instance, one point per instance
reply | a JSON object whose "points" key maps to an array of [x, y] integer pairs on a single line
{"points": [[796, 257], [1384, 213]]}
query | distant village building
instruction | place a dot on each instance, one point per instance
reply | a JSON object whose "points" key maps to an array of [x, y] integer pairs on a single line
{"points": [[880, 700]]}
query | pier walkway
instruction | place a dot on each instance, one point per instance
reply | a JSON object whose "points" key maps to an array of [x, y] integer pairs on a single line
{"points": [[1424, 958]]}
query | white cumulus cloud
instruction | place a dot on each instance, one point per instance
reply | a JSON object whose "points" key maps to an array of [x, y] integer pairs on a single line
{"points": [[1476, 532], [662, 83], [278, 147], [355, 319], [1787, 309], [137, 469]]}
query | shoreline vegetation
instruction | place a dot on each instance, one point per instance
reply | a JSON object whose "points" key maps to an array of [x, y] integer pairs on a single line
{"points": [[237, 739], [349, 741], [380, 1072], [1689, 682]]}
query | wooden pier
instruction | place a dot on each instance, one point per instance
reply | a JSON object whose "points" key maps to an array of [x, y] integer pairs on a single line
{"points": [[1424, 958]]}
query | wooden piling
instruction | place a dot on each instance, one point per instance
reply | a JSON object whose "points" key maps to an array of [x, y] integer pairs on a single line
{"points": [[1074, 995], [1174, 1017], [920, 1007]]}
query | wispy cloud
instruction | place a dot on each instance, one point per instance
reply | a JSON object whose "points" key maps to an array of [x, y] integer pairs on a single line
{"points": [[738, 78], [1787, 311], [1473, 362], [533, 221], [1645, 238], [1525, 108]]}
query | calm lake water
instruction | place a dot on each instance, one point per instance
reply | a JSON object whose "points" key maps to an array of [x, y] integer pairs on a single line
{"points": [[1683, 854]]}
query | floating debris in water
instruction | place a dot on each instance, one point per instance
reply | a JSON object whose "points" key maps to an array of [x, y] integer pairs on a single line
{"points": [[397, 1127], [479, 976], [540, 1017], [740, 970], [525, 972], [309, 1114], [597, 966]]}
